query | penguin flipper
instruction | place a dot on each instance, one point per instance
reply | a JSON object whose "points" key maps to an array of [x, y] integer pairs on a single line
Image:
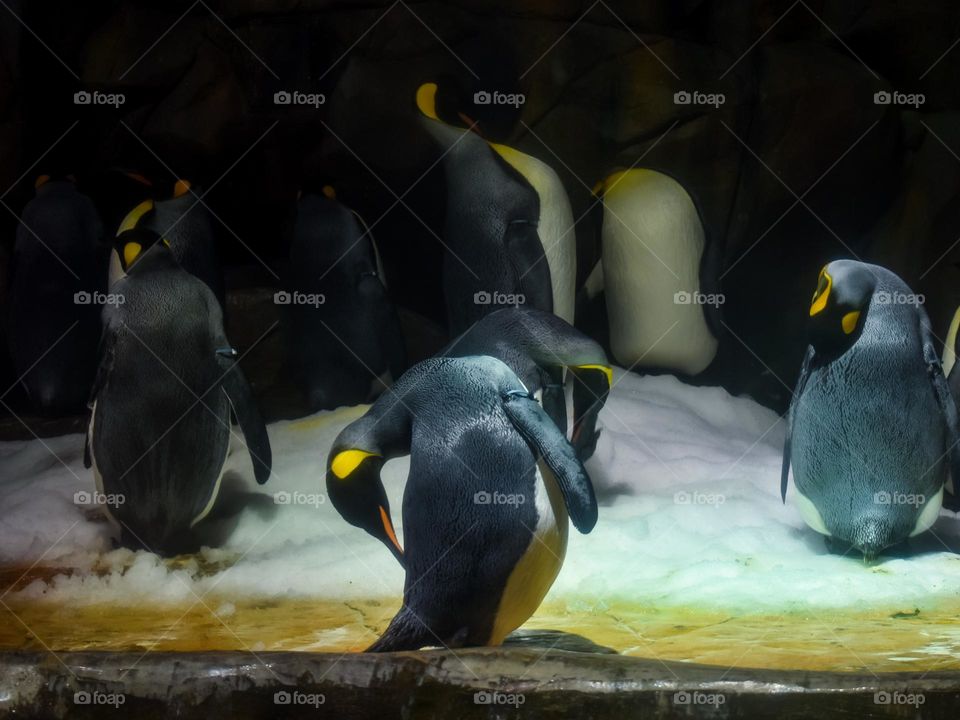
{"points": [[238, 392], [108, 342], [941, 389], [539, 430], [788, 441], [522, 243]]}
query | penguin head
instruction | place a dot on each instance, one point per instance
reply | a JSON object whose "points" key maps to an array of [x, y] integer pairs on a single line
{"points": [[131, 245], [356, 491], [839, 305]]}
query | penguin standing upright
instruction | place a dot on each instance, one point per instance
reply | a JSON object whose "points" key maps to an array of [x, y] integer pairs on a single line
{"points": [[493, 250], [343, 332], [187, 225], [537, 346], [485, 508], [161, 404], [54, 323], [872, 429], [659, 274]]}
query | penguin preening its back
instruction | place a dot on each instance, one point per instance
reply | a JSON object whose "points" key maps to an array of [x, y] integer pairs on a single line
{"points": [[187, 225], [485, 508], [162, 399], [54, 322], [343, 331], [493, 249], [658, 274], [872, 429], [537, 346]]}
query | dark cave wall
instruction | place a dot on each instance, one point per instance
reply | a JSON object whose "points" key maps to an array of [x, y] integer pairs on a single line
{"points": [[799, 121]]}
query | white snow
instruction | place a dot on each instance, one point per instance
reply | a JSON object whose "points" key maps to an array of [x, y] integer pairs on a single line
{"points": [[688, 480]]}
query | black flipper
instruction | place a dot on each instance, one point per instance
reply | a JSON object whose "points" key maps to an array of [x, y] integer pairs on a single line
{"points": [[798, 391], [238, 392], [541, 432], [945, 399]]}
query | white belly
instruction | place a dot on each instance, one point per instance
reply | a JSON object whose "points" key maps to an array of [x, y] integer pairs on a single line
{"points": [[555, 228], [653, 241]]}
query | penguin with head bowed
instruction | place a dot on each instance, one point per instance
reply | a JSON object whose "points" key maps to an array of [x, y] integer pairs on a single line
{"points": [[660, 274], [343, 332], [493, 251], [537, 346], [491, 484], [54, 291], [872, 430], [185, 222], [161, 404]]}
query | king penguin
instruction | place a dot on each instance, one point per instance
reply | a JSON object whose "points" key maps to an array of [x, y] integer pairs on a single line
{"points": [[659, 274], [54, 324], [494, 254], [343, 332], [872, 429], [187, 225], [162, 399], [492, 483], [538, 346]]}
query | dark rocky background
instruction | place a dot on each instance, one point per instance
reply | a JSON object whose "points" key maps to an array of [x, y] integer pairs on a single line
{"points": [[797, 167]]}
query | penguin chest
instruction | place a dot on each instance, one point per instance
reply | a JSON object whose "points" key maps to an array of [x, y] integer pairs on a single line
{"points": [[537, 568]]}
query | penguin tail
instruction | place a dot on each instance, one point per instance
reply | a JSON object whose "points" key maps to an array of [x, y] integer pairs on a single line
{"points": [[405, 632]]}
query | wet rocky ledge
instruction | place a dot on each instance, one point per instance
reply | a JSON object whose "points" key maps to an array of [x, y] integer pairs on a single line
{"points": [[507, 682]]}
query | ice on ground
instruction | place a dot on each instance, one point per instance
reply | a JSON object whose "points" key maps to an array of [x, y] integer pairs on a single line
{"points": [[688, 480]]}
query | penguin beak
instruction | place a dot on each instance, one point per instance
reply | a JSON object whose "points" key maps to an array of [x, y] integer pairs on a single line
{"points": [[591, 385]]}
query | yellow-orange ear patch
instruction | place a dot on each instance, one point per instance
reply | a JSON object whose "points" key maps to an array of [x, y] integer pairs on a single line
{"points": [[329, 192], [40, 181], [849, 321], [130, 252], [181, 188], [347, 461], [427, 100]]}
